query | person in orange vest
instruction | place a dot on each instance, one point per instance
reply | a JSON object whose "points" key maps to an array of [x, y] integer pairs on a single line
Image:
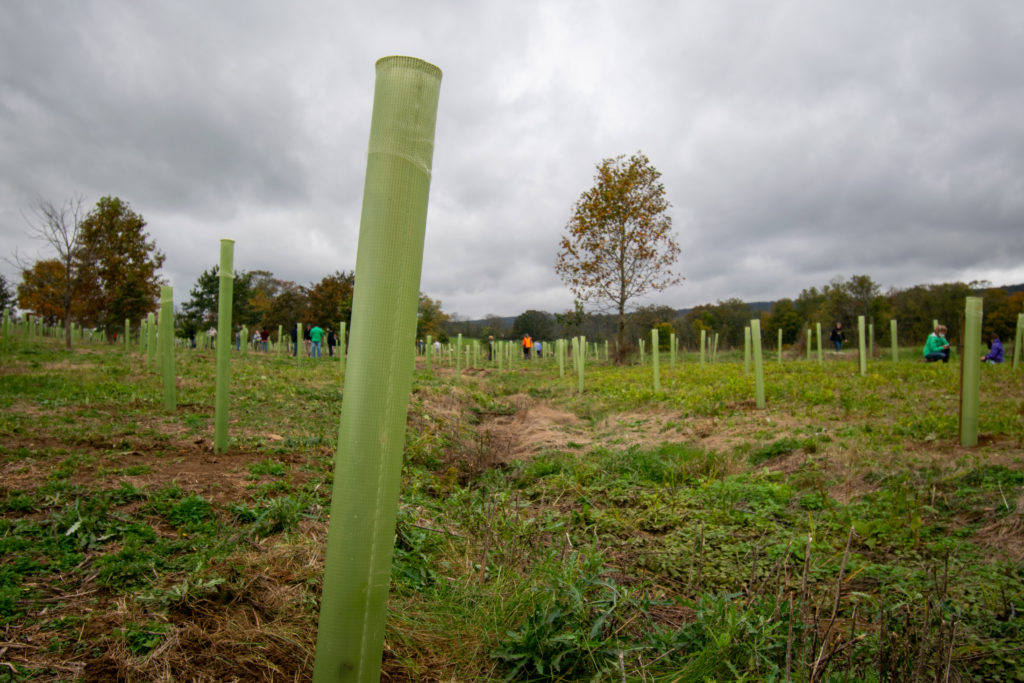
{"points": [[527, 345]]}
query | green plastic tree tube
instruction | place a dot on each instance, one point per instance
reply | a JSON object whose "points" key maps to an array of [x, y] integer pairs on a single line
{"points": [[808, 343], [703, 345], [817, 329], [714, 349], [142, 335], [430, 351], [243, 340], [280, 340], [746, 350], [1018, 340], [458, 358], [894, 340], [127, 331], [299, 345], [970, 372], [655, 360], [577, 353], [672, 349], [343, 345], [560, 352], [605, 350], [364, 501], [167, 347], [150, 341], [755, 343], [780, 346], [224, 296], [861, 347], [30, 328]]}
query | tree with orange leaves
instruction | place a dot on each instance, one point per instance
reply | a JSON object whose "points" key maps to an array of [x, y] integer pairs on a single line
{"points": [[618, 243]]}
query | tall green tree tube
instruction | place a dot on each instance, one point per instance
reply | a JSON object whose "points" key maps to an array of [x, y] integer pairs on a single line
{"points": [[127, 332], [364, 502], [142, 335], [429, 351], [167, 347], [862, 351], [672, 349], [1018, 340], [894, 341], [224, 296], [746, 350], [703, 346], [560, 351], [299, 345], [871, 340], [808, 343], [970, 372], [280, 340], [780, 346], [655, 361], [714, 349], [817, 327], [755, 343], [150, 340], [458, 357]]}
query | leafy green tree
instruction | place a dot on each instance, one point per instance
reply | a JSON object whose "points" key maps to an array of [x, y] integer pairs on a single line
{"points": [[618, 243], [538, 324], [784, 316], [430, 318], [289, 307], [201, 310], [330, 300], [118, 265]]}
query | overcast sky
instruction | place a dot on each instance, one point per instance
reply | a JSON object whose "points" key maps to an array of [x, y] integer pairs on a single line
{"points": [[797, 141]]}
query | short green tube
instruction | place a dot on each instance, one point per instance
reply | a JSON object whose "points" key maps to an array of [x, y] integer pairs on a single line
{"points": [[755, 343], [894, 341], [780, 346], [672, 349], [1018, 341], [808, 343], [127, 332], [458, 357], [871, 340], [167, 347], [655, 360], [150, 341], [367, 474], [224, 296], [970, 372], [746, 350], [817, 327], [703, 346], [861, 348]]}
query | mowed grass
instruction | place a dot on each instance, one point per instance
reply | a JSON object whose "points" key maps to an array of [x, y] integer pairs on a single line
{"points": [[840, 534]]}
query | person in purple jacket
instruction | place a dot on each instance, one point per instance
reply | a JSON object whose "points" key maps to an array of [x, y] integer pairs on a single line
{"points": [[995, 350]]}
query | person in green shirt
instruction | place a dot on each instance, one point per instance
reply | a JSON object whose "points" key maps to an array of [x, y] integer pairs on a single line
{"points": [[936, 347], [316, 335]]}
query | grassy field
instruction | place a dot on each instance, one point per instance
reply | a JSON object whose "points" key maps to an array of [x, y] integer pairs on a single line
{"points": [[841, 534]]}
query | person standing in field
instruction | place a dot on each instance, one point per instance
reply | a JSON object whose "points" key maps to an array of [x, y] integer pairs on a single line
{"points": [[936, 347], [295, 340], [265, 339], [316, 335], [527, 345], [332, 341], [538, 348], [995, 350], [837, 337]]}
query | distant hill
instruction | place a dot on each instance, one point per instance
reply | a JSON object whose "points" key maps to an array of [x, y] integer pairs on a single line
{"points": [[754, 305]]}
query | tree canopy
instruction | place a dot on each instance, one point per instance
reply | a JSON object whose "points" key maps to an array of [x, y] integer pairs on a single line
{"points": [[118, 266], [6, 296], [618, 244]]}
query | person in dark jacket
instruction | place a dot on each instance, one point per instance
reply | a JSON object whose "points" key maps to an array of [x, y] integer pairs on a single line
{"points": [[837, 337]]}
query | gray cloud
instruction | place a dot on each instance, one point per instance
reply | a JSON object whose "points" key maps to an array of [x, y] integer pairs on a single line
{"points": [[797, 141]]}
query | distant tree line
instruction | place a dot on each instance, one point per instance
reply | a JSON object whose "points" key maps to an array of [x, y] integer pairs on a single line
{"points": [[838, 301], [262, 301]]}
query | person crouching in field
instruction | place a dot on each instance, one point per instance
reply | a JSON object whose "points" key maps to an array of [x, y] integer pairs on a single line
{"points": [[936, 347], [995, 350]]}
